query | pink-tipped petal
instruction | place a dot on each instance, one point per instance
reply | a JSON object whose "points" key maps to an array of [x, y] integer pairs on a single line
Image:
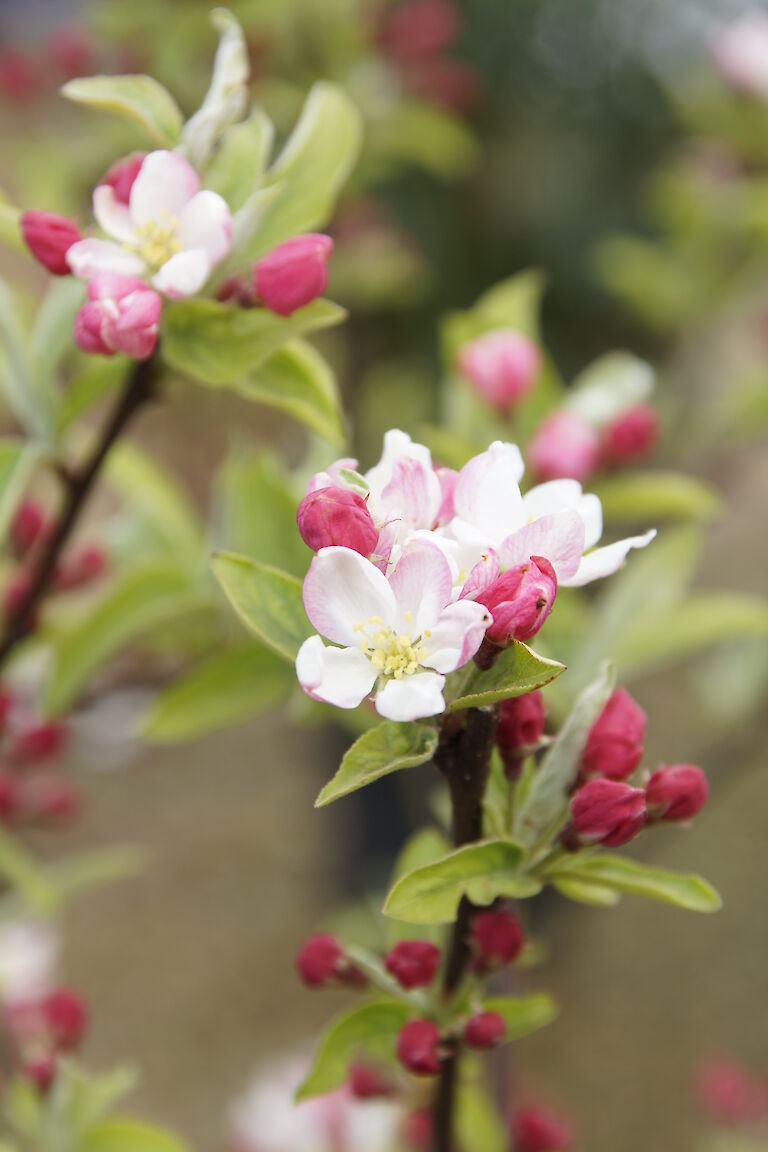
{"points": [[559, 537], [456, 636], [422, 586], [88, 258], [605, 561], [165, 184], [113, 216], [339, 676], [342, 589]]}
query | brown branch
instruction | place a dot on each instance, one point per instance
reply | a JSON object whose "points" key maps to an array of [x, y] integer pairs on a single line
{"points": [[463, 757], [78, 485]]}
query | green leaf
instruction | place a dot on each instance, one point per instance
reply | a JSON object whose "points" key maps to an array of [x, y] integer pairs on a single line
{"points": [[481, 872], [370, 1030], [240, 161], [87, 870], [227, 96], [297, 380], [256, 512], [517, 670], [17, 460], [418, 133], [523, 1015], [10, 230], [217, 343], [21, 871], [648, 497], [546, 800], [388, 748], [612, 383], [28, 397], [514, 303], [622, 874], [126, 1135], [138, 603], [154, 494], [424, 847], [268, 601], [583, 892], [479, 1128], [137, 98], [98, 378], [224, 689]]}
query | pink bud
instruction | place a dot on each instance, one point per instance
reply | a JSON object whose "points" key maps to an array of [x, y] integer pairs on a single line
{"points": [[497, 939], [294, 273], [538, 1130], [417, 1130], [413, 963], [56, 801], [121, 315], [39, 742], [66, 1018], [419, 29], [18, 75], [631, 436], [41, 1072], [70, 51], [520, 600], [319, 960], [29, 525], [367, 1083], [87, 565], [9, 797], [49, 238], [122, 175], [502, 366], [417, 1047], [485, 1030], [676, 792], [450, 84], [725, 1089], [337, 516], [564, 446], [521, 721], [615, 744], [607, 812]]}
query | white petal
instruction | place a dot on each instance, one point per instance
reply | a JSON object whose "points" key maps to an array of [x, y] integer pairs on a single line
{"points": [[396, 445], [112, 216], [605, 561], [183, 275], [89, 257], [591, 511], [558, 537], [412, 698], [414, 492], [205, 222], [487, 493], [422, 585], [340, 676], [342, 589], [553, 496], [165, 183], [457, 635]]}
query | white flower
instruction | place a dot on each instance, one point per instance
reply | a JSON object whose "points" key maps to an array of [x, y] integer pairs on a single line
{"points": [[169, 232], [740, 53], [29, 951], [401, 633]]}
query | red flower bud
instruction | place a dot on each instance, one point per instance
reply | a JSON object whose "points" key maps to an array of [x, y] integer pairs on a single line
{"points": [[631, 436], [29, 525], [15, 595], [417, 1130], [417, 1047], [367, 1083], [615, 744], [294, 274], [419, 29], [18, 76], [502, 366], [122, 174], [336, 516], [537, 1130], [676, 792], [413, 963], [497, 939], [66, 1018], [41, 1072], [70, 51], [87, 565], [449, 84], [485, 1030], [520, 600], [521, 721], [319, 960], [564, 446], [39, 742], [607, 812], [56, 801], [49, 238]]}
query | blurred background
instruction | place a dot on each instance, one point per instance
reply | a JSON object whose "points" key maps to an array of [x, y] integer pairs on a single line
{"points": [[597, 141]]}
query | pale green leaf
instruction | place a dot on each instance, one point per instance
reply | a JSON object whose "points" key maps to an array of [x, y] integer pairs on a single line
{"points": [[622, 874], [388, 748], [227, 96], [126, 1135], [21, 872], [370, 1031], [99, 377], [514, 303], [10, 230], [583, 892], [268, 601], [649, 497], [297, 380], [240, 161], [610, 385], [523, 1015], [256, 512], [517, 670], [137, 98], [479, 1127], [152, 492]]}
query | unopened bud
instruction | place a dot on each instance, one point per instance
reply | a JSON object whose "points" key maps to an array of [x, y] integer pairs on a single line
{"points": [[565, 446], [85, 566], [538, 1130], [367, 1083], [319, 959], [607, 812], [520, 600], [121, 315], [413, 963], [41, 1073], [502, 366], [418, 1047], [419, 29], [293, 274], [338, 516], [614, 746], [28, 526], [19, 79], [497, 939], [121, 176], [417, 1130], [485, 1030], [39, 742], [66, 1018], [56, 801], [676, 792], [49, 237], [631, 436], [521, 722]]}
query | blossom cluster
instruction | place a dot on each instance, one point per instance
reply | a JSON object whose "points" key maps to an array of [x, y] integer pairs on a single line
{"points": [[416, 567]]}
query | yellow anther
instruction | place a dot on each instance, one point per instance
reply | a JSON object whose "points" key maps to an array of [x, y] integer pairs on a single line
{"points": [[374, 619], [157, 241]]}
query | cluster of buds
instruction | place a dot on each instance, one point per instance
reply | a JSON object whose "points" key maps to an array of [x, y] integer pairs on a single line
{"points": [[566, 444], [415, 37], [605, 808], [66, 52]]}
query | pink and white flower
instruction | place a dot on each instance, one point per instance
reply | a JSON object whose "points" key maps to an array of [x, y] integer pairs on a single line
{"points": [[397, 636], [121, 315], [170, 232]]}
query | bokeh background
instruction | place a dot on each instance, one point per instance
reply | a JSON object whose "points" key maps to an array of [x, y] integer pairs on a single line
{"points": [[576, 107]]}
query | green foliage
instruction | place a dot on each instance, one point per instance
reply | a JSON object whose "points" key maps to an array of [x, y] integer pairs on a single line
{"points": [[388, 748], [414, 132], [609, 871], [126, 1135], [137, 98], [268, 601], [256, 512], [159, 502], [239, 163], [479, 1127], [370, 1030], [482, 872], [517, 670], [10, 231], [610, 384], [46, 889], [17, 460], [297, 380], [648, 497], [522, 1015]]}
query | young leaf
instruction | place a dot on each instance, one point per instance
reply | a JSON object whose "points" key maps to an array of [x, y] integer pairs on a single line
{"points": [[622, 874], [547, 796], [126, 1135], [385, 749], [479, 1128], [137, 98], [28, 879], [612, 383], [297, 380], [649, 497], [268, 601], [256, 512], [523, 1015], [216, 344], [154, 494], [481, 872], [583, 892], [370, 1030], [241, 158], [518, 670], [227, 96], [224, 689]]}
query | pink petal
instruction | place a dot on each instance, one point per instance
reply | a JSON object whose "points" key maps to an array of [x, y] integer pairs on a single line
{"points": [[342, 589], [558, 537], [422, 585], [165, 184], [89, 257]]}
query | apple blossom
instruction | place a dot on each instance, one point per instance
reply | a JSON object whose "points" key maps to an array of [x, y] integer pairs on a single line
{"points": [[121, 176], [606, 812], [485, 1030], [336, 515], [29, 951], [50, 238], [565, 445], [614, 746], [501, 366], [740, 54], [293, 274], [418, 1047], [397, 635], [676, 792], [520, 600], [169, 232], [121, 315]]}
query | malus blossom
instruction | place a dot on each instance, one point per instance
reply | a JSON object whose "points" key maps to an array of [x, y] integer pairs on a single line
{"points": [[501, 365], [398, 635], [740, 54], [121, 315], [293, 274], [169, 232], [565, 445]]}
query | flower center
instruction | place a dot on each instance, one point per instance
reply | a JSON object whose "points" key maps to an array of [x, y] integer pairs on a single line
{"points": [[394, 654], [158, 240]]}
